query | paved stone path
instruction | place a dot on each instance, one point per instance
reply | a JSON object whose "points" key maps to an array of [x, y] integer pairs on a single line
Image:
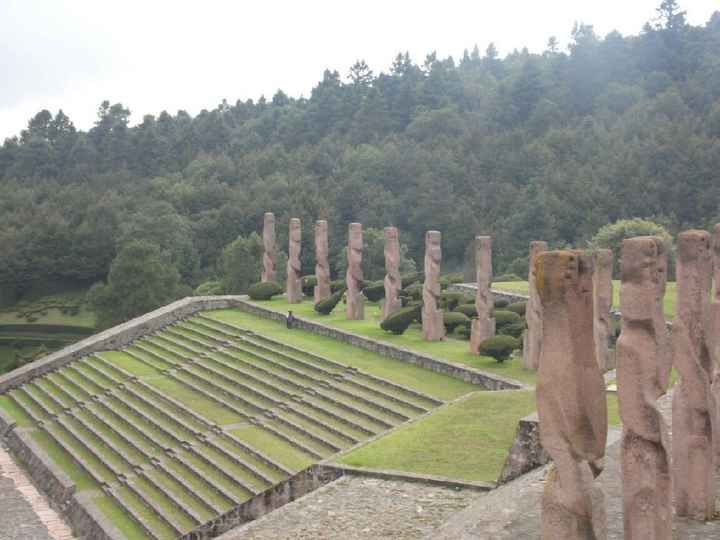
{"points": [[359, 508], [24, 512]]}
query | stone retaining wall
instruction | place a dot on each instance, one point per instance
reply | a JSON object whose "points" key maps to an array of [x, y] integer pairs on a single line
{"points": [[116, 337], [468, 374]]}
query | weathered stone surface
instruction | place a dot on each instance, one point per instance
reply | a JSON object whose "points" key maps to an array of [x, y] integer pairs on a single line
{"points": [[432, 316], [693, 404], [268, 272], [571, 397], [484, 326], [603, 289], [713, 333], [645, 456], [354, 277], [392, 272], [532, 338], [294, 268], [526, 453], [322, 266]]}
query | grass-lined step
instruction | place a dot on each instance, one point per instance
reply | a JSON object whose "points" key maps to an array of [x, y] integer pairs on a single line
{"points": [[205, 503], [49, 403], [273, 447], [272, 468], [312, 429], [144, 354], [175, 344], [56, 391], [83, 454], [222, 462], [206, 373], [199, 385], [199, 419], [90, 369], [163, 506], [229, 488], [147, 343], [291, 440], [61, 379], [33, 408], [179, 497], [154, 526], [241, 460], [141, 440], [188, 340], [152, 398], [113, 459], [123, 402], [183, 469], [132, 450], [140, 403]]}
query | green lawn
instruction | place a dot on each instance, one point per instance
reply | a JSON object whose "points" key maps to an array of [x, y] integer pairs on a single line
{"points": [[449, 349], [46, 310], [466, 440], [521, 287]]}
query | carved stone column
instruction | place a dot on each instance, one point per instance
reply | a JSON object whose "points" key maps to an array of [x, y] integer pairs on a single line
{"points": [[354, 276], [322, 266], [392, 273], [693, 405], [571, 399], [603, 288], [532, 338], [294, 268], [268, 272], [645, 454], [432, 316], [484, 326]]}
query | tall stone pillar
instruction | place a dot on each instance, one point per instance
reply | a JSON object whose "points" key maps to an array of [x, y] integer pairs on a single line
{"points": [[294, 268], [322, 266], [603, 289], [392, 273], [571, 399], [483, 326], [693, 405], [432, 316], [532, 338], [354, 276], [713, 333], [268, 272], [645, 454]]}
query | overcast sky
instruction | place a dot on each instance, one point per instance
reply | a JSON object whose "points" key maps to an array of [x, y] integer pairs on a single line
{"points": [[154, 54]]}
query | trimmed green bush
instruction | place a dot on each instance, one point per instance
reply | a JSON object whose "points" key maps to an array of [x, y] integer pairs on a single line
{"points": [[462, 331], [515, 329], [308, 285], [264, 291], [414, 291], [450, 300], [338, 285], [467, 309], [501, 303], [518, 307], [451, 279], [374, 291], [325, 307], [398, 322], [409, 279], [507, 277], [453, 319], [504, 317], [499, 347], [209, 288]]}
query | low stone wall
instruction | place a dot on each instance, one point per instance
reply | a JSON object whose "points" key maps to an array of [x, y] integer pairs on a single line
{"points": [[293, 488], [116, 337], [6, 423], [474, 376], [526, 452]]}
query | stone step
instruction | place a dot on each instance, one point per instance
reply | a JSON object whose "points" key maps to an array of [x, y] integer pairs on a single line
{"points": [[105, 368], [157, 395], [137, 411], [57, 391], [166, 347], [50, 403], [198, 345], [137, 349], [127, 440], [216, 389], [166, 407], [217, 462], [122, 501], [52, 431], [189, 489], [82, 379], [245, 447], [215, 486], [106, 440], [66, 381], [192, 515], [290, 440], [259, 394], [212, 397], [166, 337], [254, 471], [30, 406], [286, 420], [153, 409], [98, 376], [115, 369], [156, 508], [88, 445]]}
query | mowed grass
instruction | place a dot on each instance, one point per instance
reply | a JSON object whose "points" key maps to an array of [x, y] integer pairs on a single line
{"points": [[521, 287], [423, 380], [119, 517], [466, 440], [449, 349]]}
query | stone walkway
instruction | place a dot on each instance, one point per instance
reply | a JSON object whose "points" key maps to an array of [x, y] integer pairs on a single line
{"points": [[360, 508], [24, 512]]}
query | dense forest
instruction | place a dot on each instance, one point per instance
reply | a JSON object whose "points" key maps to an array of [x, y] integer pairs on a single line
{"points": [[531, 146]]}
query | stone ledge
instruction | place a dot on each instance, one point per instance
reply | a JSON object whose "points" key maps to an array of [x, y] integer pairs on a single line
{"points": [[468, 374], [7, 423], [429, 479]]}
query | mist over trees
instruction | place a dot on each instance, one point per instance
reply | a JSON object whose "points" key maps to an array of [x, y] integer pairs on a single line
{"points": [[545, 146]]}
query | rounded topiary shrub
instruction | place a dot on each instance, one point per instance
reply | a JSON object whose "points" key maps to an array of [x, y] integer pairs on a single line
{"points": [[462, 331], [467, 309], [264, 291], [499, 347], [515, 329], [374, 291], [507, 277], [325, 307], [501, 303], [399, 321], [450, 300], [453, 319], [414, 291], [308, 285], [504, 317], [338, 285], [451, 279], [517, 307], [409, 279]]}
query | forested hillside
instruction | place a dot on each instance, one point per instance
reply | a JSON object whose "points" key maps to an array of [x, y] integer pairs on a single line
{"points": [[533, 146]]}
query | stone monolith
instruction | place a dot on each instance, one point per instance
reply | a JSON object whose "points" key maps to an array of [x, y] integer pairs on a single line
{"points": [[713, 332], [532, 338], [293, 288], [392, 280], [692, 405], [432, 315], [483, 326], [354, 276], [571, 399], [268, 272], [645, 453], [322, 266], [603, 289]]}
